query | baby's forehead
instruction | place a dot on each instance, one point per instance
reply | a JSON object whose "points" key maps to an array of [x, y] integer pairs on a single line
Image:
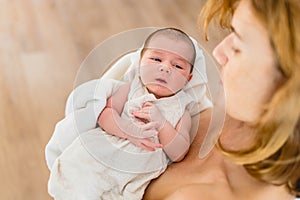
{"points": [[176, 46], [164, 52]]}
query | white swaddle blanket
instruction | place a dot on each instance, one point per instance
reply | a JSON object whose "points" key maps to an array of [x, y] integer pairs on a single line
{"points": [[66, 150], [116, 168]]}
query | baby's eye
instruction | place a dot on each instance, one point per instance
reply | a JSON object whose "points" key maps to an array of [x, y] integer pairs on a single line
{"points": [[178, 67], [156, 59]]}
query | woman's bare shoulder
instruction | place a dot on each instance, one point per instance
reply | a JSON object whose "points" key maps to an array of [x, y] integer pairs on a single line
{"points": [[203, 191], [211, 192]]}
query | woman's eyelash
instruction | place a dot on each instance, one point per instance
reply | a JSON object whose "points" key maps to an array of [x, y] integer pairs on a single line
{"points": [[235, 50]]}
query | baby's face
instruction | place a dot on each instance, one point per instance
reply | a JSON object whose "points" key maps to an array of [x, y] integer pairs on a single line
{"points": [[163, 72]]}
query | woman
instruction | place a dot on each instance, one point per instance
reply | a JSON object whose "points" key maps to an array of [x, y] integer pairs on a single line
{"points": [[258, 156]]}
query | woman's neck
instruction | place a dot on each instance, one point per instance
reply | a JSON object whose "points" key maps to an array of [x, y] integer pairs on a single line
{"points": [[236, 134]]}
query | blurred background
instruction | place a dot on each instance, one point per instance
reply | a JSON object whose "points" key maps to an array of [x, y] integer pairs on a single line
{"points": [[42, 44]]}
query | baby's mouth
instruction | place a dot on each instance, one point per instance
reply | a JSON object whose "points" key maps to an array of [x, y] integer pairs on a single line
{"points": [[161, 80]]}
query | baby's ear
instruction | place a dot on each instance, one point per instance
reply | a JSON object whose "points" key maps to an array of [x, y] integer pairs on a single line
{"points": [[189, 77]]}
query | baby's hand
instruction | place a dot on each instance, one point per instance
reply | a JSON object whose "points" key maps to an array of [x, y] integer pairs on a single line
{"points": [[145, 143], [150, 113], [141, 130]]}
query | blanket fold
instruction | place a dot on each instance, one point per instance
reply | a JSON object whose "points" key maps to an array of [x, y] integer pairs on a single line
{"points": [[82, 110]]}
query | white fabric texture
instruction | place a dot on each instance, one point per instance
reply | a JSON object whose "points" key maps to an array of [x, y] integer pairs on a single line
{"points": [[77, 174], [82, 110]]}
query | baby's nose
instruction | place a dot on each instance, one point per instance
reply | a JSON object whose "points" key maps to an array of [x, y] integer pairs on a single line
{"points": [[165, 68]]}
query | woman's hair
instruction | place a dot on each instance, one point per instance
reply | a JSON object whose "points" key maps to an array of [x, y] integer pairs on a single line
{"points": [[176, 35], [275, 155]]}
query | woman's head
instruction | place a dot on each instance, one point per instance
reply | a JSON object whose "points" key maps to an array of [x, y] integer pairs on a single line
{"points": [[261, 73], [248, 65], [167, 62]]}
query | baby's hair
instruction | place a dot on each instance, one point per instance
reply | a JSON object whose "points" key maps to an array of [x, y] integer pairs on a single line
{"points": [[175, 34]]}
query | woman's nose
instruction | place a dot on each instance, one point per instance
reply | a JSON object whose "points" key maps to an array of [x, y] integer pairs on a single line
{"points": [[165, 68], [219, 53]]}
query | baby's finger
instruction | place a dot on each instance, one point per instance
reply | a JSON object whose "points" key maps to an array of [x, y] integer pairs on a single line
{"points": [[151, 126], [150, 133], [140, 123], [151, 144], [147, 104], [143, 110], [141, 115], [146, 147]]}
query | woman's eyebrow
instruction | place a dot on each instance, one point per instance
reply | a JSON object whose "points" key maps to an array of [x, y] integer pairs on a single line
{"points": [[236, 33]]}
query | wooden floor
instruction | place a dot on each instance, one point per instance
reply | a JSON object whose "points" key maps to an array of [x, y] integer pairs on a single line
{"points": [[42, 44]]}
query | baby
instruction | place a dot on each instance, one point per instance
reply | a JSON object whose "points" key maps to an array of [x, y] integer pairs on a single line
{"points": [[144, 127]]}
